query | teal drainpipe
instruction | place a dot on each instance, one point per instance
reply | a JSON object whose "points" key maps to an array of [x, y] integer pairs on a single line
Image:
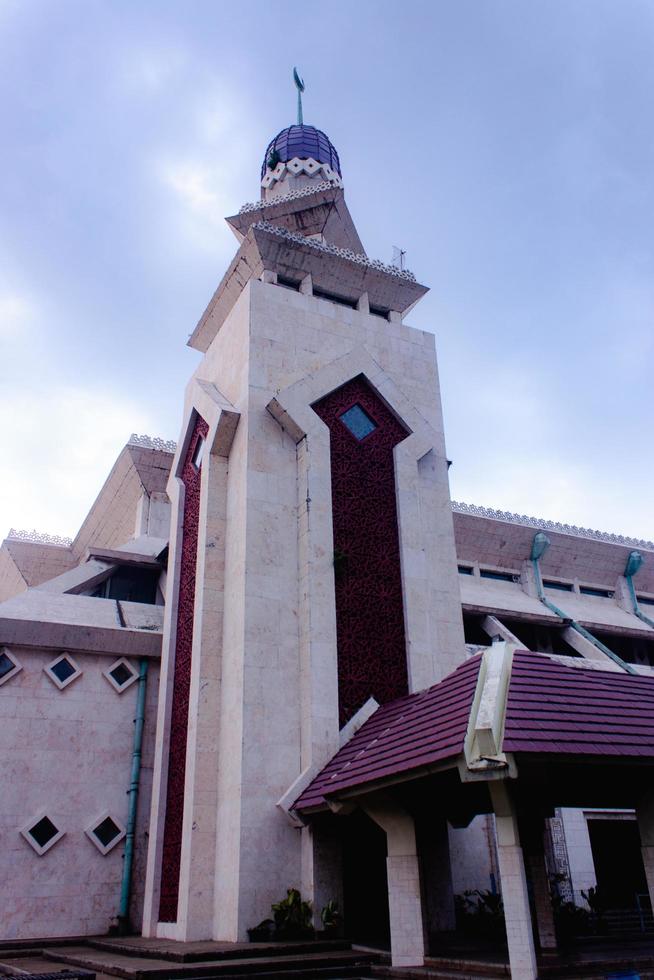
{"points": [[133, 792], [539, 546], [634, 561]]}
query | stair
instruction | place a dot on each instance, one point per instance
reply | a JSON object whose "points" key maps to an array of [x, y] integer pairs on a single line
{"points": [[196, 952], [227, 964]]}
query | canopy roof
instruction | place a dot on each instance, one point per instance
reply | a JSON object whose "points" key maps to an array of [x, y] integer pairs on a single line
{"points": [[538, 706], [562, 710]]}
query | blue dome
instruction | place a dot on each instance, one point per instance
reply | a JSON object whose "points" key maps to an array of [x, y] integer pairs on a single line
{"points": [[302, 142]]}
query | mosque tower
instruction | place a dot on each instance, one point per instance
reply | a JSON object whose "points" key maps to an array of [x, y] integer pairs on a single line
{"points": [[312, 564]]}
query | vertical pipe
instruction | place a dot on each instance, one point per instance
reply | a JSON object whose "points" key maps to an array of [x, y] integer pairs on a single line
{"points": [[133, 792], [634, 599], [628, 668]]}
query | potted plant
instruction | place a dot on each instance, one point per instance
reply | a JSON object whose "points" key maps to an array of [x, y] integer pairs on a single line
{"points": [[293, 917]]}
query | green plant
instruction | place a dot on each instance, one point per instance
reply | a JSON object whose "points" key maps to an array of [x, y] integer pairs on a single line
{"points": [[330, 916], [292, 916], [480, 914]]}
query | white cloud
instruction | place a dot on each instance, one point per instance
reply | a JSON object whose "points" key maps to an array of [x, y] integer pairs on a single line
{"points": [[16, 312], [59, 446], [216, 171], [148, 70], [57, 441], [518, 447]]}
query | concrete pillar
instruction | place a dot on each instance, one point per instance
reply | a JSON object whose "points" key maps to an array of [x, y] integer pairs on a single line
{"points": [[321, 868], [532, 835], [542, 901], [436, 875], [517, 915], [402, 869], [645, 815]]}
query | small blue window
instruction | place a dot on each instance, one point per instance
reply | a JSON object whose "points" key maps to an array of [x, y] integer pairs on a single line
{"points": [[358, 422]]}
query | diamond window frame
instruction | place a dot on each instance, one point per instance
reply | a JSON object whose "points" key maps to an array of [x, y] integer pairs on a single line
{"points": [[53, 677], [15, 669], [90, 832], [120, 688], [34, 844]]}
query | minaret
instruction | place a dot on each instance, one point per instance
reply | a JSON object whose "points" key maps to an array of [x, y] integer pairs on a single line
{"points": [[312, 563]]}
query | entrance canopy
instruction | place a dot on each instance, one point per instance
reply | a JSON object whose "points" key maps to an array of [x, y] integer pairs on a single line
{"points": [[499, 714]]}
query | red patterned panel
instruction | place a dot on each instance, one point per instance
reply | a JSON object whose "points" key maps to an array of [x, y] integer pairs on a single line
{"points": [[369, 611], [172, 842]]}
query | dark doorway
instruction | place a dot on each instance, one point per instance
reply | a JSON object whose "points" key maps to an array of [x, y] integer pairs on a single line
{"points": [[618, 862], [365, 885]]}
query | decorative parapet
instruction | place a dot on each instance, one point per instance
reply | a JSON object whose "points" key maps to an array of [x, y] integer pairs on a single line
{"points": [[39, 537], [543, 525], [153, 442], [343, 253], [321, 185]]}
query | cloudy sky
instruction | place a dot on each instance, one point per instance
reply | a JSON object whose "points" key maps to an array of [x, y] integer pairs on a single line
{"points": [[507, 145]]}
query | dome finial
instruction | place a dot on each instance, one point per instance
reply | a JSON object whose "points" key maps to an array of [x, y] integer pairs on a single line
{"points": [[299, 84]]}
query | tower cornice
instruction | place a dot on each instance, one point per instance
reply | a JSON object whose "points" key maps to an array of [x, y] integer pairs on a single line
{"points": [[333, 270], [313, 210]]}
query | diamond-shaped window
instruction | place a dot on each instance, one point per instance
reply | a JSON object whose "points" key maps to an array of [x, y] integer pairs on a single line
{"points": [[42, 833], [63, 671], [9, 665], [358, 422], [105, 832], [120, 675]]}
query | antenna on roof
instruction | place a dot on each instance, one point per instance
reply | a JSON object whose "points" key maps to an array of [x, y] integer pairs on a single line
{"points": [[299, 84], [398, 257]]}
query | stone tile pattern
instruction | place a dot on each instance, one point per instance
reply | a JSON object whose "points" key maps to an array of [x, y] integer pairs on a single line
{"points": [[110, 522], [172, 845], [368, 581], [406, 734], [554, 708], [29, 563], [69, 753], [407, 938]]}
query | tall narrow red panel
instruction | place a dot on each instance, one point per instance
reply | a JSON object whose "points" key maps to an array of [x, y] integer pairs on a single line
{"points": [[369, 603], [172, 840]]}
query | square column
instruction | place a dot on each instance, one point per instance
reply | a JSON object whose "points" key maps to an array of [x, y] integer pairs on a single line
{"points": [[533, 837], [645, 815], [517, 915], [404, 894]]}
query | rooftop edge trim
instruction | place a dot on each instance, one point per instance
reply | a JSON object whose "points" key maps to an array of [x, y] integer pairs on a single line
{"points": [[343, 253], [545, 525]]}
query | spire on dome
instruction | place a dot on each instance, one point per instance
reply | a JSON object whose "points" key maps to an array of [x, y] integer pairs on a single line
{"points": [[300, 89]]}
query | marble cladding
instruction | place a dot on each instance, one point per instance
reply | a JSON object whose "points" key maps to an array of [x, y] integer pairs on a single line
{"points": [[68, 753]]}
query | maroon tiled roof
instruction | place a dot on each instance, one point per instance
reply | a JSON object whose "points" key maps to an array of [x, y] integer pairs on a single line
{"points": [[406, 734], [558, 709]]}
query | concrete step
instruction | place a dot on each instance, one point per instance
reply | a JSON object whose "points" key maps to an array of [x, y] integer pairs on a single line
{"points": [[196, 952], [142, 968], [423, 973], [28, 965]]}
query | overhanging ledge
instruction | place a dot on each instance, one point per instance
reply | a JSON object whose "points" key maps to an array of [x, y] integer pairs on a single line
{"points": [[333, 269]]}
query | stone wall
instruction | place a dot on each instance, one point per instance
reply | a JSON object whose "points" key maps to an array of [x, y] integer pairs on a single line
{"points": [[67, 753]]}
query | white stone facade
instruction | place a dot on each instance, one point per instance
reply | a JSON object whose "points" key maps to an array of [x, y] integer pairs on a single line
{"points": [[67, 754]]}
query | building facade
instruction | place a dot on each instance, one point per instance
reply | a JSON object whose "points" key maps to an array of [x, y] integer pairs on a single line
{"points": [[286, 571]]}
